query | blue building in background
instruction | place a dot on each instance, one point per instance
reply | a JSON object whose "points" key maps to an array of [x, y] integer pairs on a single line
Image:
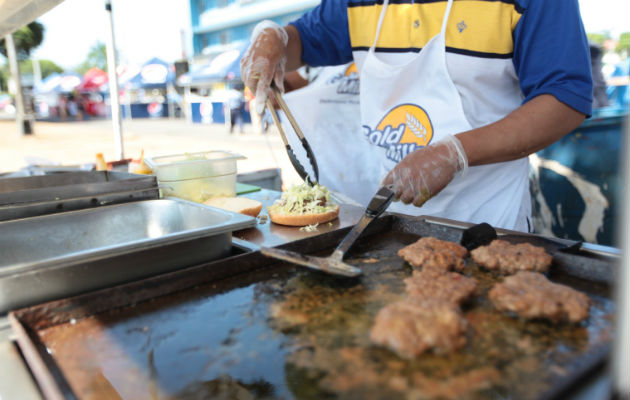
{"points": [[221, 30], [221, 25]]}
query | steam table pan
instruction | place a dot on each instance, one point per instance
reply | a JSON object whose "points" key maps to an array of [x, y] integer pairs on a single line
{"points": [[58, 255], [46, 194]]}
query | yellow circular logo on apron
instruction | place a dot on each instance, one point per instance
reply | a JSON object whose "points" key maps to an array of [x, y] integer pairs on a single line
{"points": [[402, 130]]}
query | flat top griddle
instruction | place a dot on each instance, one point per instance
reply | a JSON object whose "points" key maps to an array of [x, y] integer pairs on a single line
{"points": [[250, 327]]}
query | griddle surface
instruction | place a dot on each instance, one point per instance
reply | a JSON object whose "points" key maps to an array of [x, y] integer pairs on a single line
{"points": [[286, 332]]}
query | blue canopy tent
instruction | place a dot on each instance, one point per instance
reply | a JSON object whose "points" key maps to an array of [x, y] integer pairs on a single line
{"points": [[225, 68], [150, 85], [49, 92], [154, 74], [58, 83]]}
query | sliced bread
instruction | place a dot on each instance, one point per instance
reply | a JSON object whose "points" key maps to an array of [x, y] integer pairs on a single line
{"points": [[240, 205]]}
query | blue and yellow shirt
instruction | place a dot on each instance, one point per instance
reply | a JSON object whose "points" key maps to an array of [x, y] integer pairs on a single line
{"points": [[495, 48]]}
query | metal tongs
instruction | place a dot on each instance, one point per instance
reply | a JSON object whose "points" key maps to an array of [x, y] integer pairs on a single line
{"points": [[334, 264], [275, 92]]}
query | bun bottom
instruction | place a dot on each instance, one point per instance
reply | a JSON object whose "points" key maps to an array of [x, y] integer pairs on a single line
{"points": [[304, 219]]}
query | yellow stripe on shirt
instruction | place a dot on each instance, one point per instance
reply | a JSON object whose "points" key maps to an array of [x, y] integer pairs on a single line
{"points": [[474, 26]]}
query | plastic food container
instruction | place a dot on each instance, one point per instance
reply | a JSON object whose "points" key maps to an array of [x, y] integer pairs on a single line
{"points": [[196, 176]]}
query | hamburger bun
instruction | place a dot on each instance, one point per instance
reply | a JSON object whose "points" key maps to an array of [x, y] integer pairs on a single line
{"points": [[241, 205], [281, 218]]}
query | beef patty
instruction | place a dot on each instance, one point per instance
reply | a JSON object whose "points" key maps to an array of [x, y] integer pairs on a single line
{"points": [[440, 286], [509, 258], [430, 252], [531, 295], [411, 328]]}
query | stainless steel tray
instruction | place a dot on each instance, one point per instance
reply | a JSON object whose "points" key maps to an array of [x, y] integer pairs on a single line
{"points": [[47, 194], [58, 255]]}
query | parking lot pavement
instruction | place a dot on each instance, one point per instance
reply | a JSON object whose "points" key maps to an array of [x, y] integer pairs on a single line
{"points": [[77, 142]]}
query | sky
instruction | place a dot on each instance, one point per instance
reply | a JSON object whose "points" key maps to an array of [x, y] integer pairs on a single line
{"points": [[144, 29], [152, 28]]}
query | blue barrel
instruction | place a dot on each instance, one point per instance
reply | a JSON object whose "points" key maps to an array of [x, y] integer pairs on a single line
{"points": [[575, 182]]}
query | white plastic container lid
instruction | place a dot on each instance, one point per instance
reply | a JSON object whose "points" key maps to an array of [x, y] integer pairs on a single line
{"points": [[194, 165]]}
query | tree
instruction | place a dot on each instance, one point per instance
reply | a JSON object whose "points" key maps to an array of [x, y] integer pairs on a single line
{"points": [[47, 68], [26, 39], [598, 38], [624, 43], [22, 42], [97, 57]]}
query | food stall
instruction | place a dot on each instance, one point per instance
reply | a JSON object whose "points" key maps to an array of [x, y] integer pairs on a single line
{"points": [[207, 87], [92, 91], [51, 95], [113, 290], [146, 91]]}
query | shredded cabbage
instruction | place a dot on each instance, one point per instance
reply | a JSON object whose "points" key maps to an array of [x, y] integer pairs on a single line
{"points": [[304, 199], [309, 228]]}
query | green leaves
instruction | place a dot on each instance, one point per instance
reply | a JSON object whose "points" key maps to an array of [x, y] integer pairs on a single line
{"points": [[97, 57], [26, 39]]}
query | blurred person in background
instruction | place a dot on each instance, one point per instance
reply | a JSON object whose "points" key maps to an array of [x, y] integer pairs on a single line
{"points": [[75, 107], [600, 97], [62, 106], [618, 84], [235, 103]]}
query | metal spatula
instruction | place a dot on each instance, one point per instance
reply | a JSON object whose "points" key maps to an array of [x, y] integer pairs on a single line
{"points": [[334, 264]]}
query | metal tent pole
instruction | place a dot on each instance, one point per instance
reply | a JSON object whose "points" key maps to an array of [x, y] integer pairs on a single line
{"points": [[21, 117], [113, 82]]}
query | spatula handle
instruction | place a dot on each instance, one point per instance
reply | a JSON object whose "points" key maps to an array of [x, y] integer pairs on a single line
{"points": [[381, 200], [379, 203]]}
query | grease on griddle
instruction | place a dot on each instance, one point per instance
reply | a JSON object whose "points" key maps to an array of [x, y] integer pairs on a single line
{"points": [[457, 386]]}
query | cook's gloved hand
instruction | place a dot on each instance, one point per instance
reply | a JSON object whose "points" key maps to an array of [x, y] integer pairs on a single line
{"points": [[264, 60], [425, 172]]}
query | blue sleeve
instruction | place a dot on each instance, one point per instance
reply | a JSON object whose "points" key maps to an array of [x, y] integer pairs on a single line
{"points": [[324, 34], [551, 53]]}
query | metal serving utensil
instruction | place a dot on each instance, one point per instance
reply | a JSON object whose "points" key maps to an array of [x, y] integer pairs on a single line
{"points": [[275, 92], [334, 264]]}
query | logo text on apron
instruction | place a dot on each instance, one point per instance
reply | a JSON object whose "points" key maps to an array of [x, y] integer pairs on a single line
{"points": [[402, 130]]}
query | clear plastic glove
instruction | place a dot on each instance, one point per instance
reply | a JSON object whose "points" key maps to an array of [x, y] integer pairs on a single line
{"points": [[264, 60], [425, 172]]}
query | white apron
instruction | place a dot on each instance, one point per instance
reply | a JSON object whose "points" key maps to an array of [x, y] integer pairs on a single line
{"points": [[414, 104], [329, 115]]}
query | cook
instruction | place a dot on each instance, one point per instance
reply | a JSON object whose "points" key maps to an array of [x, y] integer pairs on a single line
{"points": [[453, 96]]}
